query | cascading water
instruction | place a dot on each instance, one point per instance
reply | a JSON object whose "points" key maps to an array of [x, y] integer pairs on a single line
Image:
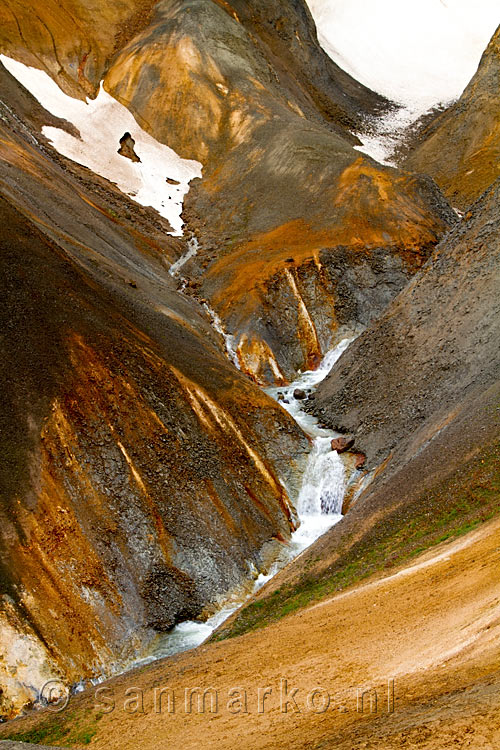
{"points": [[192, 250], [322, 490], [319, 504], [229, 340], [175, 270]]}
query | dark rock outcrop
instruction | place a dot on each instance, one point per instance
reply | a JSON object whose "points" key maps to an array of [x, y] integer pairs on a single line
{"points": [[126, 149]]}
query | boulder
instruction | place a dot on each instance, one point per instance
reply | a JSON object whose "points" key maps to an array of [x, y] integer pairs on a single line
{"points": [[126, 149], [342, 444], [299, 394], [359, 461]]}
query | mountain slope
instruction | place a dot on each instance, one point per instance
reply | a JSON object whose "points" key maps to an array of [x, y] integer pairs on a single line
{"points": [[141, 476], [283, 189], [144, 477], [246, 90], [408, 659], [419, 391], [461, 149]]}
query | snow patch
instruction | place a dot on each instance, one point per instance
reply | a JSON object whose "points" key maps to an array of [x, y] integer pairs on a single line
{"points": [[416, 54], [102, 122], [383, 135]]}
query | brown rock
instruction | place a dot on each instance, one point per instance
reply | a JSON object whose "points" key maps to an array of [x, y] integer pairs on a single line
{"points": [[126, 149], [360, 460], [342, 444], [299, 394]]}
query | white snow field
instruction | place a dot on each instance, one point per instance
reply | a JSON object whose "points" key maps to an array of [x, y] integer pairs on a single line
{"points": [[102, 122], [417, 54]]}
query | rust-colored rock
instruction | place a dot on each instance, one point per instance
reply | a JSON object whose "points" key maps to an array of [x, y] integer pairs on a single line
{"points": [[140, 470], [359, 460], [303, 254], [342, 444]]}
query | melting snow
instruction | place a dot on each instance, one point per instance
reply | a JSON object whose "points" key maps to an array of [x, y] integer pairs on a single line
{"points": [[101, 123], [192, 249], [417, 54]]}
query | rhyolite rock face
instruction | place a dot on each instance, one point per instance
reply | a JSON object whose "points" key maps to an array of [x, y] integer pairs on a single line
{"points": [[142, 475], [461, 148], [302, 239], [246, 89]]}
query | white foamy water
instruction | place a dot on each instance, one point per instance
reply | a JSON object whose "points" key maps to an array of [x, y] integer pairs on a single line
{"points": [[319, 506], [192, 250], [229, 339]]}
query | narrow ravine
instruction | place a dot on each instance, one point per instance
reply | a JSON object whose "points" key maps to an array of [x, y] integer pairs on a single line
{"points": [[318, 505]]}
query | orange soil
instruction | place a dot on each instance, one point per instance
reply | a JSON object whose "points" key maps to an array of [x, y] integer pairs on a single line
{"points": [[433, 628]]}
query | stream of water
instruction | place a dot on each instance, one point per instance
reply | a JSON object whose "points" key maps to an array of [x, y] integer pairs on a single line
{"points": [[319, 506]]}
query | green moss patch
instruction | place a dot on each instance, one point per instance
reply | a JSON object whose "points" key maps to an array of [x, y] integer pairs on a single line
{"points": [[68, 729]]}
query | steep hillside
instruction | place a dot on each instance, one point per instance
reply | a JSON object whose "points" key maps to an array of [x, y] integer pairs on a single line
{"points": [[73, 41], [419, 391], [406, 660], [432, 354], [143, 477], [461, 148], [246, 90], [141, 473], [283, 189]]}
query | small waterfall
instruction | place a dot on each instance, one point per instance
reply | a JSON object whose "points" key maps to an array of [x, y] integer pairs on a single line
{"points": [[192, 250], [229, 340], [322, 488], [319, 504]]}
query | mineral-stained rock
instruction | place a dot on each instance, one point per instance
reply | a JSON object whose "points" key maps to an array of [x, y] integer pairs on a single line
{"points": [[248, 91], [360, 460], [140, 470], [305, 254], [420, 389], [342, 444]]}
